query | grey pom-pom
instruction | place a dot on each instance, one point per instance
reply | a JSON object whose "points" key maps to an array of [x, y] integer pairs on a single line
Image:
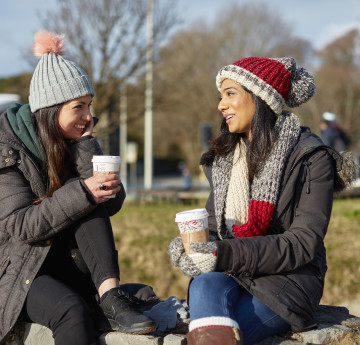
{"points": [[302, 88]]}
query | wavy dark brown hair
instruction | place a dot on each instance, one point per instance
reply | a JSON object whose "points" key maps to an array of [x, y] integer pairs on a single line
{"points": [[262, 138], [57, 168]]}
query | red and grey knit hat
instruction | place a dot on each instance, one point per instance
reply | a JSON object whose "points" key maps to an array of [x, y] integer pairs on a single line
{"points": [[276, 81]]}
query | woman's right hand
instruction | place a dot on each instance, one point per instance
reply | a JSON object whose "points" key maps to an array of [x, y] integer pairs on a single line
{"points": [[111, 182], [180, 259]]}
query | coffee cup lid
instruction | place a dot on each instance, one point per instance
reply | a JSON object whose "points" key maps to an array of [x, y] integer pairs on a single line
{"points": [[106, 159], [185, 216]]}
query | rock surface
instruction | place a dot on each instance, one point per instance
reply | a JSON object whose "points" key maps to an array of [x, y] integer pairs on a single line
{"points": [[335, 327]]}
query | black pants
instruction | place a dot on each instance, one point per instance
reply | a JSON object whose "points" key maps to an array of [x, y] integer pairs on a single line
{"points": [[61, 295]]}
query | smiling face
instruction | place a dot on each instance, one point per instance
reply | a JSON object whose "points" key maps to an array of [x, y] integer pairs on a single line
{"points": [[74, 117], [237, 107]]}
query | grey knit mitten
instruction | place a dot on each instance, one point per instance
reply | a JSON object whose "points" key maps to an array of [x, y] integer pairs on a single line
{"points": [[204, 247], [176, 250], [194, 264], [205, 257], [180, 259], [188, 267]]}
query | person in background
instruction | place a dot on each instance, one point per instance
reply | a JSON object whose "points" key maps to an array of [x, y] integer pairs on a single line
{"points": [[57, 249], [272, 183], [186, 183], [332, 134]]}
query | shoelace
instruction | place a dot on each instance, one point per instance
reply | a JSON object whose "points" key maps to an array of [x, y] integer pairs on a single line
{"points": [[125, 296]]}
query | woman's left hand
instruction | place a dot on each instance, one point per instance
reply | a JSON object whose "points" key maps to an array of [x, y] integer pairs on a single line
{"points": [[205, 256]]}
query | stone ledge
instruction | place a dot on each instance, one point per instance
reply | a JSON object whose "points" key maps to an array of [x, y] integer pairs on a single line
{"points": [[335, 327], [35, 334]]}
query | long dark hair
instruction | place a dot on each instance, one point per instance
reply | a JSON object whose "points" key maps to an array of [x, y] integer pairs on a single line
{"points": [[262, 138], [57, 167]]}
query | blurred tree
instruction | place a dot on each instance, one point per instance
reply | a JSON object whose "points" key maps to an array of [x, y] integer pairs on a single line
{"points": [[185, 92], [300, 49], [338, 84], [108, 39], [18, 85]]}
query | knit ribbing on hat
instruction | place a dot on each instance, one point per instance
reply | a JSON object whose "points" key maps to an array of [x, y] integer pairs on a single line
{"points": [[275, 81], [266, 184], [253, 83], [57, 80], [270, 71]]}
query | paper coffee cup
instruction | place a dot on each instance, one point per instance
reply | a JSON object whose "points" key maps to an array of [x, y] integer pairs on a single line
{"points": [[106, 165], [193, 227]]}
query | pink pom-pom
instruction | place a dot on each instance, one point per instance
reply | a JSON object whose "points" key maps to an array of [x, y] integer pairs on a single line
{"points": [[47, 42]]}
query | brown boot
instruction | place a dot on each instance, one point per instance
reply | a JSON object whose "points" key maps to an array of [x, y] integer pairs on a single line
{"points": [[215, 335]]}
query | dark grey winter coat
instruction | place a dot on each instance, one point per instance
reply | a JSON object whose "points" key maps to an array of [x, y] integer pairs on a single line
{"points": [[286, 268], [26, 230]]}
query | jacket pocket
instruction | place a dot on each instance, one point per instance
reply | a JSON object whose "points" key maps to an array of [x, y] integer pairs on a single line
{"points": [[4, 264], [310, 284]]}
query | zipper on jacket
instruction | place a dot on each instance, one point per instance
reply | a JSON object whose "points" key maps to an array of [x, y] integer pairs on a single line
{"points": [[307, 164]]}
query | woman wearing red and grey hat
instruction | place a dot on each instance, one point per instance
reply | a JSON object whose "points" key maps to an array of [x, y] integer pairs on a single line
{"points": [[272, 184], [57, 250]]}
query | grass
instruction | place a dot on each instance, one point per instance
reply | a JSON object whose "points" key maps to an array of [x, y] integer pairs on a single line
{"points": [[142, 234], [342, 282]]}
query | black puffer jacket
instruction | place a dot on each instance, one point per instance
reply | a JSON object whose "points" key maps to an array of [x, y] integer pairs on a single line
{"points": [[286, 268], [26, 230]]}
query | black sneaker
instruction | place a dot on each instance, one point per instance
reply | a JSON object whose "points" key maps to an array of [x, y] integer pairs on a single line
{"points": [[141, 305], [123, 314]]}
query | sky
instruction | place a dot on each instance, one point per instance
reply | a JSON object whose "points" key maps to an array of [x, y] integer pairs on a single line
{"points": [[319, 21]]}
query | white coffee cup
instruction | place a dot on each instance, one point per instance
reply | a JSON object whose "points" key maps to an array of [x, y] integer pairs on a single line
{"points": [[106, 165], [193, 227]]}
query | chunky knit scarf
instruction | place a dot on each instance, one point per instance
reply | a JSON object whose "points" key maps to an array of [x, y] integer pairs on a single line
{"points": [[238, 194], [264, 190]]}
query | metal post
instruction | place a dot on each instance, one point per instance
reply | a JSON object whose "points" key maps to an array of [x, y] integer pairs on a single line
{"points": [[148, 140], [123, 134]]}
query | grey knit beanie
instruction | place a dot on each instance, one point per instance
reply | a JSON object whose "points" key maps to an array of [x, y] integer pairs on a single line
{"points": [[55, 79]]}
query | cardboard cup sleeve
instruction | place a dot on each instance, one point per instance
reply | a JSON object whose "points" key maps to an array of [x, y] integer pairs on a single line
{"points": [[191, 237], [192, 229]]}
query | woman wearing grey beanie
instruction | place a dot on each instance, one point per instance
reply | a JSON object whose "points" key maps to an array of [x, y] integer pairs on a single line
{"points": [[272, 183], [57, 250]]}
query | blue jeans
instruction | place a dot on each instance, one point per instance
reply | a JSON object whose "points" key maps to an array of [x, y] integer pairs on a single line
{"points": [[220, 297]]}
